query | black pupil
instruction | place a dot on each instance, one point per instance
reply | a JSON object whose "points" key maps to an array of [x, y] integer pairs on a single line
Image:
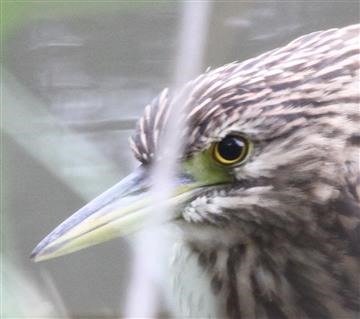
{"points": [[231, 148]]}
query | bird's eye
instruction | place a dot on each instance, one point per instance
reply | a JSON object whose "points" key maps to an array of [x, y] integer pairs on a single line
{"points": [[233, 149]]}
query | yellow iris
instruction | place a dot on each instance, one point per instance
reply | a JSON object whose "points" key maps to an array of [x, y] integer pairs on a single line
{"points": [[233, 149]]}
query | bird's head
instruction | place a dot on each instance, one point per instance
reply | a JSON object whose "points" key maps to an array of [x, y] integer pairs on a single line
{"points": [[266, 143]]}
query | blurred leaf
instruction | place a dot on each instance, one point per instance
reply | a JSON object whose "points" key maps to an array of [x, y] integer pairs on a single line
{"points": [[21, 297], [15, 14]]}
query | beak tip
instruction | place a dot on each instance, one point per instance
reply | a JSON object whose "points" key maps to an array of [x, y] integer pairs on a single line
{"points": [[35, 255], [40, 252], [34, 258]]}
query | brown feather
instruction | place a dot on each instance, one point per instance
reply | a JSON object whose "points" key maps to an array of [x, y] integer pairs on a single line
{"points": [[284, 240]]}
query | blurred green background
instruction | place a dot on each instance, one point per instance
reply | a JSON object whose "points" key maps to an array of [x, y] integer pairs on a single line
{"points": [[75, 75]]}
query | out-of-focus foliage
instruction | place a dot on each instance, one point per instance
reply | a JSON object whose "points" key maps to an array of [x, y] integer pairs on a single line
{"points": [[16, 14]]}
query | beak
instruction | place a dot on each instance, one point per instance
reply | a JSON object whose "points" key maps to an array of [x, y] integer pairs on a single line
{"points": [[119, 211]]}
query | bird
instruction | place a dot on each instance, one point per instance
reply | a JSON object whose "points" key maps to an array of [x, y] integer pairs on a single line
{"points": [[267, 193]]}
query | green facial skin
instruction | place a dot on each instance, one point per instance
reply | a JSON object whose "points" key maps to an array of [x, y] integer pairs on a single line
{"points": [[205, 170], [125, 207]]}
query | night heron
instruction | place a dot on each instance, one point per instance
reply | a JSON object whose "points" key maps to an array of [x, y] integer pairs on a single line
{"points": [[268, 186]]}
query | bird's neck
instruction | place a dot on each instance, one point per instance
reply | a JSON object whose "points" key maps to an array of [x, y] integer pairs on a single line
{"points": [[249, 280]]}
